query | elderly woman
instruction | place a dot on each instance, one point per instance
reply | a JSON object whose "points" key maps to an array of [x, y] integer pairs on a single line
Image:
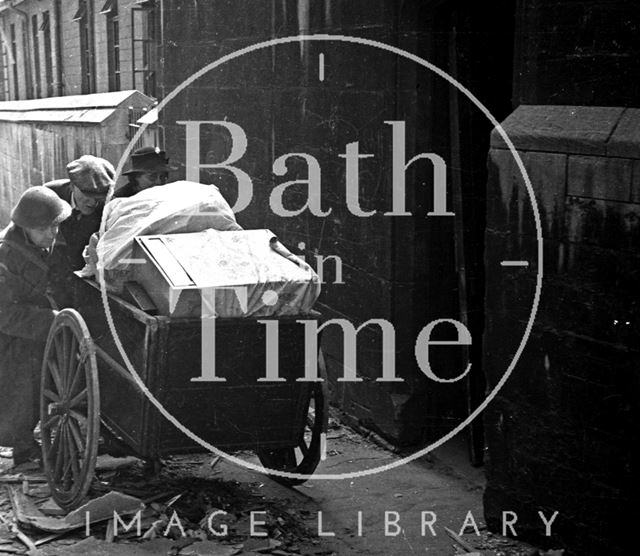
{"points": [[25, 313]]}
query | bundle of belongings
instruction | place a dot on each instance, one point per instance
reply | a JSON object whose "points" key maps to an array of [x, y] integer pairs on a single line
{"points": [[182, 244]]}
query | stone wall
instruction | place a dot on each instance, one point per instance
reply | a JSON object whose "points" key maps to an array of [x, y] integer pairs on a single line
{"points": [[275, 94], [561, 434]]}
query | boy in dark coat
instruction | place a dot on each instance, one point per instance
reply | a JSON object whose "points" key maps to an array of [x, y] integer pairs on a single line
{"points": [[25, 313]]}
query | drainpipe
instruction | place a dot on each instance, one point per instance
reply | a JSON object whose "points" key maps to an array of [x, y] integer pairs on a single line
{"points": [[26, 45], [58, 37]]}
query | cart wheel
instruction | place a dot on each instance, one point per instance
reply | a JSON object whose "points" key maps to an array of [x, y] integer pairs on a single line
{"points": [[69, 409], [305, 457]]}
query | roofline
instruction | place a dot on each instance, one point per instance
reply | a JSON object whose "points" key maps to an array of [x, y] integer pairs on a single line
{"points": [[82, 102]]}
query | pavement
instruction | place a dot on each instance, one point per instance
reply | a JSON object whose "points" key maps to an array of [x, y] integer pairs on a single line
{"points": [[388, 513], [432, 506]]}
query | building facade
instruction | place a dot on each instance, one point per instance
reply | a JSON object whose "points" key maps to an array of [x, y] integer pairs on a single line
{"points": [[54, 48]]}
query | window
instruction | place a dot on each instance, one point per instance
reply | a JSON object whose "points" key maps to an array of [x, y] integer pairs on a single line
{"points": [[110, 9], [84, 17], [28, 78], [36, 56], [143, 46], [6, 59], [4, 73], [45, 27], [14, 53]]}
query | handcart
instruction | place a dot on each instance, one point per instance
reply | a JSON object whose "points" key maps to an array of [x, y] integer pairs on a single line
{"points": [[88, 395]]}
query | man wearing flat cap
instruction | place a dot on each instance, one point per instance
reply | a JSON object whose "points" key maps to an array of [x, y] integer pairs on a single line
{"points": [[85, 190], [25, 313], [149, 166]]}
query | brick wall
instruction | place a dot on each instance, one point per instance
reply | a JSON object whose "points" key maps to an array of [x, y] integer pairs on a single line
{"points": [[70, 51], [561, 433]]}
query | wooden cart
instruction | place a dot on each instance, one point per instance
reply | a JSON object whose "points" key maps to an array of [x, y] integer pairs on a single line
{"points": [[88, 394]]}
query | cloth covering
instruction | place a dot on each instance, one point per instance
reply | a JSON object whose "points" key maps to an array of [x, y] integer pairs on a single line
{"points": [[25, 318], [173, 208]]}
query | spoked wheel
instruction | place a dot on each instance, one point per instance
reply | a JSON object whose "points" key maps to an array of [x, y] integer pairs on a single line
{"points": [[69, 409], [303, 458]]}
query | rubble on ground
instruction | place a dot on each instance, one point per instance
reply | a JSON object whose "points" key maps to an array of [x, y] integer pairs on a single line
{"points": [[174, 513]]}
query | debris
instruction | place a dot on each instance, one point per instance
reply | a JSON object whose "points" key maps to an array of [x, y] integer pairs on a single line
{"points": [[262, 544], [39, 491], [109, 534], [96, 547], [464, 544], [217, 520], [160, 497], [26, 467], [173, 500], [49, 538], [208, 548], [50, 508], [19, 534], [106, 462], [183, 542], [19, 477], [154, 530], [98, 509]]}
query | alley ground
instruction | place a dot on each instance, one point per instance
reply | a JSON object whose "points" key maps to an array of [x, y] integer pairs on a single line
{"points": [[443, 483]]}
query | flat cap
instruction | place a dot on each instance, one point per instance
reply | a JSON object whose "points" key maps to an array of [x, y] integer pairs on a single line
{"points": [[91, 174]]}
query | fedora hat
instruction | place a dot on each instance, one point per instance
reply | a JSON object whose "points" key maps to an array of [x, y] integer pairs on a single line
{"points": [[148, 159]]}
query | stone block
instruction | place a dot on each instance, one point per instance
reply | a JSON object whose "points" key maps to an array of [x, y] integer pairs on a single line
{"points": [[558, 432], [559, 129], [625, 140], [607, 224], [600, 177], [635, 182], [509, 206]]}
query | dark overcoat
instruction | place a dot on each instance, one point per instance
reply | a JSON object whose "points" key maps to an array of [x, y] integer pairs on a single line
{"points": [[25, 318], [76, 230], [74, 235]]}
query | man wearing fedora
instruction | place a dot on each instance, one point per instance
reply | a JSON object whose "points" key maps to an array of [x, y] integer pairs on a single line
{"points": [[149, 166], [25, 313]]}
